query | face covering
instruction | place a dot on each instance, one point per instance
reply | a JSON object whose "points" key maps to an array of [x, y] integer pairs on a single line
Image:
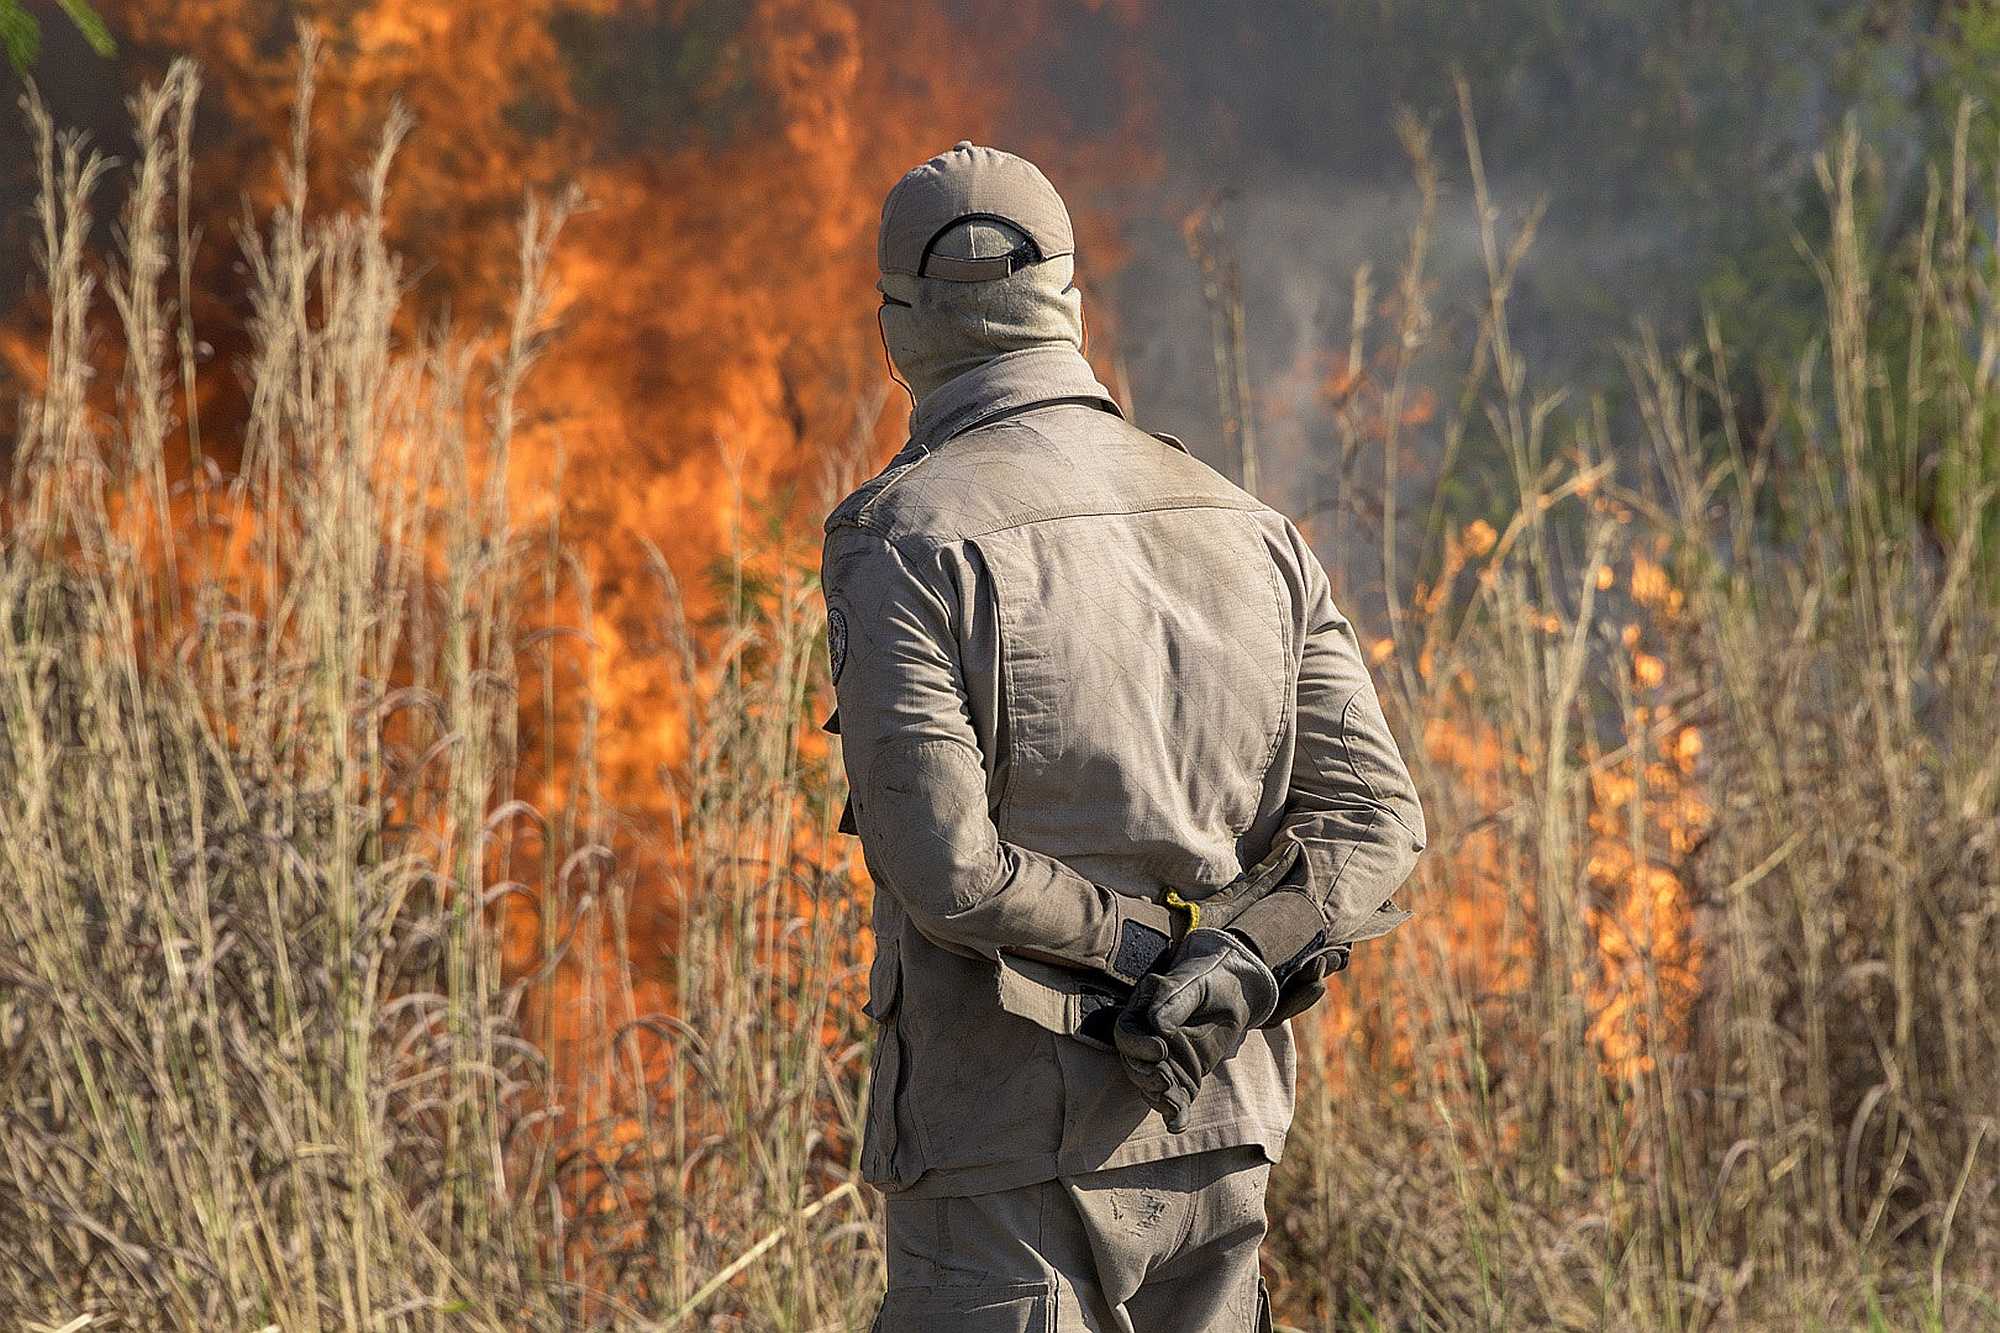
{"points": [[937, 329]]}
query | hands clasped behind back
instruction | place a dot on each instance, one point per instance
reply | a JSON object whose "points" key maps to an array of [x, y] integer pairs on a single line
{"points": [[1188, 1017]]}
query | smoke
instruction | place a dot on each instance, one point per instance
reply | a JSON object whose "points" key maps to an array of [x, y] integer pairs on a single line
{"points": [[1665, 141], [719, 338]]}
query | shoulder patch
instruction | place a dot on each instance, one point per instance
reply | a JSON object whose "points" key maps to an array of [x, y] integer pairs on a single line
{"points": [[836, 640]]}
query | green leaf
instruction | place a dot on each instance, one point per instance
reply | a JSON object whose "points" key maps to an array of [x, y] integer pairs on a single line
{"points": [[20, 35], [92, 27]]}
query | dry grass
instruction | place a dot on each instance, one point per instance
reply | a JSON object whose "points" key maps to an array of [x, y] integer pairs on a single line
{"points": [[1697, 1030], [1767, 669]]}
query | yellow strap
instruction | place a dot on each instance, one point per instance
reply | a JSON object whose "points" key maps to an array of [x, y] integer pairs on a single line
{"points": [[1193, 910]]}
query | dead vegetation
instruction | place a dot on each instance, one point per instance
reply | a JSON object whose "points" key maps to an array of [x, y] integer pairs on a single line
{"points": [[307, 1021]]}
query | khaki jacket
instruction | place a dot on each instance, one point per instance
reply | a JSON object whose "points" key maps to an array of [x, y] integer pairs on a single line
{"points": [[1078, 669]]}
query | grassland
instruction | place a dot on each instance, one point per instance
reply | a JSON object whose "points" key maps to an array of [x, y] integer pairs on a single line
{"points": [[309, 1021]]}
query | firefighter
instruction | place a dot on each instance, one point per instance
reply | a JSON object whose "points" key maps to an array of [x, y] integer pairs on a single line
{"points": [[1123, 786]]}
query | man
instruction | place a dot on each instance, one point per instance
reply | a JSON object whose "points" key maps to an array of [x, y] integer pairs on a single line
{"points": [[1123, 786]]}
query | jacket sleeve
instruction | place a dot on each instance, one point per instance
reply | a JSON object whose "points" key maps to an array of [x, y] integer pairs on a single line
{"points": [[917, 780], [1352, 807]]}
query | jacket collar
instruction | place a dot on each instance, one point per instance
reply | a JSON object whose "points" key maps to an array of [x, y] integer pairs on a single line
{"points": [[1004, 386]]}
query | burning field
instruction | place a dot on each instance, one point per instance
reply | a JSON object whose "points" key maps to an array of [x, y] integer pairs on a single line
{"points": [[423, 902]]}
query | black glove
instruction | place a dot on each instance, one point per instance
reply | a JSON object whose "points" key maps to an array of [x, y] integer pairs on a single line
{"points": [[1189, 1017]]}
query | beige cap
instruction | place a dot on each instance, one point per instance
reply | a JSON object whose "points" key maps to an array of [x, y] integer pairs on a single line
{"points": [[971, 182]]}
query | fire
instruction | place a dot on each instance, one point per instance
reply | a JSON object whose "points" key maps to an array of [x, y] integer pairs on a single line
{"points": [[716, 380], [718, 373], [1643, 816]]}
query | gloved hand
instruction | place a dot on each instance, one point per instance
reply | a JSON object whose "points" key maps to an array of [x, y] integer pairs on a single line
{"points": [[1187, 1018]]}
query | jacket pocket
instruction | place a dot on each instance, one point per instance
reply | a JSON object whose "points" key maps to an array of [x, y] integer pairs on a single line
{"points": [[885, 981], [885, 1072], [999, 1307], [1059, 1000]]}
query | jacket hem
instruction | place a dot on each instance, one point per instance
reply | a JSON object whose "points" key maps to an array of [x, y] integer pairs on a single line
{"points": [[962, 1181]]}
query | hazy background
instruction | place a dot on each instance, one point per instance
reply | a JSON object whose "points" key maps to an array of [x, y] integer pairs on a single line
{"points": [[1671, 143]]}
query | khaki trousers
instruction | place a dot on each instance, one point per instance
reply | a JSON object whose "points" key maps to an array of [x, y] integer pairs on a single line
{"points": [[1159, 1247]]}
